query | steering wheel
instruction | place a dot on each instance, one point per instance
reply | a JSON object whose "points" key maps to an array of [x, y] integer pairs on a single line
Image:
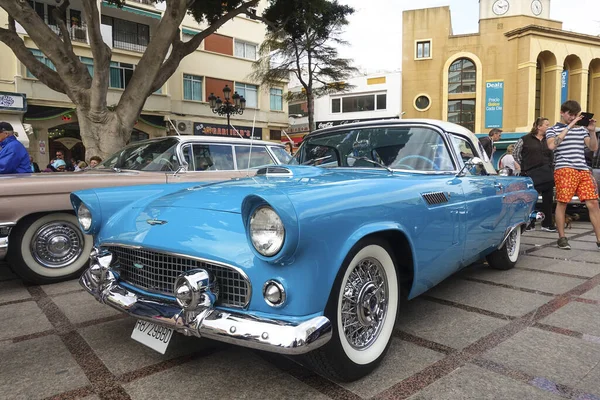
{"points": [[418, 157], [163, 162]]}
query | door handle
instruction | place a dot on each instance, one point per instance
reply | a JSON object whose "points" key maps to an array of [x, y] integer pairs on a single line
{"points": [[498, 186]]}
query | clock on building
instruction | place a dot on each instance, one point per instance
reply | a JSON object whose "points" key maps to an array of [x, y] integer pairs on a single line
{"points": [[536, 7], [500, 7]]}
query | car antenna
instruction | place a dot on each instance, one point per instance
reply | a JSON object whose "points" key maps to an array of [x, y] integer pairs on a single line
{"points": [[174, 127], [251, 140], [289, 138]]}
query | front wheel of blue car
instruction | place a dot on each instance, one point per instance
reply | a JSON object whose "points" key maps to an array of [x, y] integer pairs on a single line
{"points": [[362, 308]]}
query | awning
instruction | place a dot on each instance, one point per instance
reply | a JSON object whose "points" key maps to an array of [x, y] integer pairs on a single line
{"points": [[296, 140], [19, 129], [190, 32], [138, 11]]}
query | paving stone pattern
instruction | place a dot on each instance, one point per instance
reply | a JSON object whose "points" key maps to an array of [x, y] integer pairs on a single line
{"points": [[531, 332]]}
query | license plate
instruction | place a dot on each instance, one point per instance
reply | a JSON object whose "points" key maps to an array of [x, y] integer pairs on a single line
{"points": [[154, 336]]}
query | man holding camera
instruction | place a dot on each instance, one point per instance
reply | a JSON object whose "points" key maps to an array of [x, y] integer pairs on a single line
{"points": [[568, 140]]}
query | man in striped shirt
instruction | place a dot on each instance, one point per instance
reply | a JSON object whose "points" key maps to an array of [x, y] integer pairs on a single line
{"points": [[571, 173]]}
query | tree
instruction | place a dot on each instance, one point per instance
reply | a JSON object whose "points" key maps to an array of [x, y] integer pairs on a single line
{"points": [[300, 40], [105, 129]]}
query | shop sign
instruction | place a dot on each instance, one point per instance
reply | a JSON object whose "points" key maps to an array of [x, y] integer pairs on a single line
{"points": [[564, 86], [13, 102], [494, 103], [205, 129], [329, 124], [298, 128]]}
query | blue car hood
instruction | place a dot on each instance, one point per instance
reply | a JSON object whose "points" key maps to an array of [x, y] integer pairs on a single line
{"points": [[227, 196]]}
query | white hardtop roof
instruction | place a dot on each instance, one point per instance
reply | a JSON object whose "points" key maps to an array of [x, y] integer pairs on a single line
{"points": [[218, 139], [445, 125]]}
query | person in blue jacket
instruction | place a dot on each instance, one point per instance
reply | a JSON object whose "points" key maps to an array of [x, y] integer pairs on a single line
{"points": [[14, 158]]}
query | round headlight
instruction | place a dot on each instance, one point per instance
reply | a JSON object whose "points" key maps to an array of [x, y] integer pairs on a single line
{"points": [[84, 216], [266, 231]]}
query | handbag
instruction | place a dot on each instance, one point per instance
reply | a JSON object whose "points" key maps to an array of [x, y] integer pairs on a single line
{"points": [[542, 176]]}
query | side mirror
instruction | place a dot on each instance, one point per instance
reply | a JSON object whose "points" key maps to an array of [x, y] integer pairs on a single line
{"points": [[350, 160], [473, 162], [505, 171]]}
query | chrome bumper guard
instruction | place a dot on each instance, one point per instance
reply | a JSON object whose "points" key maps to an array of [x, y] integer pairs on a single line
{"points": [[5, 229], [205, 321]]}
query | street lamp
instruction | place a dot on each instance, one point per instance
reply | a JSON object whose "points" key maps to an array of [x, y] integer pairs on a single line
{"points": [[235, 104]]}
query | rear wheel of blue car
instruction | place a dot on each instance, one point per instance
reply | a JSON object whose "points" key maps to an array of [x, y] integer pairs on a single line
{"points": [[506, 256], [362, 308]]}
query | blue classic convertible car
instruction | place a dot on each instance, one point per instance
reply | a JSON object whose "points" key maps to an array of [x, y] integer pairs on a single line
{"points": [[310, 260]]}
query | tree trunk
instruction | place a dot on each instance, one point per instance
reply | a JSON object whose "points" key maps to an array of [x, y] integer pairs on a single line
{"points": [[310, 103], [101, 135]]}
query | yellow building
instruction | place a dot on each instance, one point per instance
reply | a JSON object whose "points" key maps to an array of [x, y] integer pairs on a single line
{"points": [[224, 58], [520, 65]]}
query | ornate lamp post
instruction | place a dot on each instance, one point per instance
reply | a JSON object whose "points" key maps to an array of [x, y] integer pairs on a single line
{"points": [[235, 104]]}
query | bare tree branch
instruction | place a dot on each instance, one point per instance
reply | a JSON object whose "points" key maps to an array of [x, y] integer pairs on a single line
{"points": [[101, 54], [180, 49], [46, 75], [48, 42], [59, 14]]}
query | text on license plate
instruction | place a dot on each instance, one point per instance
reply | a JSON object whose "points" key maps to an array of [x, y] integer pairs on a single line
{"points": [[154, 336]]}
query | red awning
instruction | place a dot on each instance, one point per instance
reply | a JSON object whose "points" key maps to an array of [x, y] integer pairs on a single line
{"points": [[295, 139]]}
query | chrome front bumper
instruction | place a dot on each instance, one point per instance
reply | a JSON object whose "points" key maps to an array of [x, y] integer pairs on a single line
{"points": [[225, 326], [5, 229]]}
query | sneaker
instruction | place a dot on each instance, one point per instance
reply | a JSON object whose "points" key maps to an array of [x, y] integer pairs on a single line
{"points": [[530, 228], [563, 243], [598, 244], [549, 229]]}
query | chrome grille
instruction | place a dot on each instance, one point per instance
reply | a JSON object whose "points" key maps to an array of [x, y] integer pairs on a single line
{"points": [[156, 272]]}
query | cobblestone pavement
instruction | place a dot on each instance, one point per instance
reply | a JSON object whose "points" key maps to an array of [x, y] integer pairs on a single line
{"points": [[529, 333]]}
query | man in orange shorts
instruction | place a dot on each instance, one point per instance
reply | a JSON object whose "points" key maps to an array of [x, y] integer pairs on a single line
{"points": [[571, 173]]}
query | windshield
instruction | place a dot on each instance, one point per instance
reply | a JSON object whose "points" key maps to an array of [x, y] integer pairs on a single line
{"points": [[154, 155], [400, 147], [282, 155]]}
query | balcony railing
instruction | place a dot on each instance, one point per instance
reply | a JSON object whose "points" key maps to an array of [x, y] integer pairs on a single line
{"points": [[130, 41], [76, 33]]}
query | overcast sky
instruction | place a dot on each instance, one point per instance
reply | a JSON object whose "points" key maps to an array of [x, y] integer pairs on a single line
{"points": [[375, 29]]}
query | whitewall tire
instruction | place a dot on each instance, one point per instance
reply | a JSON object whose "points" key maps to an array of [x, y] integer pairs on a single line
{"points": [[47, 248], [362, 308], [506, 257]]}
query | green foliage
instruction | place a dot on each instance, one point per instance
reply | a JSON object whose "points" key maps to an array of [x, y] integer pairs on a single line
{"points": [[300, 40]]}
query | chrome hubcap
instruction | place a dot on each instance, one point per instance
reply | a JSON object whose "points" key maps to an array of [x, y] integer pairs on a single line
{"points": [[364, 303], [57, 244]]}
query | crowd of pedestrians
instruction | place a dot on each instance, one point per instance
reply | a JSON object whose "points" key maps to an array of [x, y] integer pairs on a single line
{"points": [[14, 158], [554, 157]]}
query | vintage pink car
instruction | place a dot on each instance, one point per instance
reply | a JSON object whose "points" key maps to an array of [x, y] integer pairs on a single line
{"points": [[39, 233]]}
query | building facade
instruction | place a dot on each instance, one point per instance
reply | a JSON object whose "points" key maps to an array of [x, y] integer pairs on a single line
{"points": [[375, 96], [519, 66], [181, 105]]}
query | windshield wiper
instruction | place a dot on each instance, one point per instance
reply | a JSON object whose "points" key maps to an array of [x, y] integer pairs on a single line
{"points": [[314, 160], [363, 158]]}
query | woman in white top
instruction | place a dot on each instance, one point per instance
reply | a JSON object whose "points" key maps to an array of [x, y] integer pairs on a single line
{"points": [[509, 161]]}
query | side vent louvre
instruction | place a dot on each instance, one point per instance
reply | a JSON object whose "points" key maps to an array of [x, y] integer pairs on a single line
{"points": [[435, 198], [274, 170]]}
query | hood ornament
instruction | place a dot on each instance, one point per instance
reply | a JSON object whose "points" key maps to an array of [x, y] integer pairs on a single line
{"points": [[156, 221]]}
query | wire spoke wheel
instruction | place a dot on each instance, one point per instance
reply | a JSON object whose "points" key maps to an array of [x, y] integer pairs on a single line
{"points": [[365, 303]]}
